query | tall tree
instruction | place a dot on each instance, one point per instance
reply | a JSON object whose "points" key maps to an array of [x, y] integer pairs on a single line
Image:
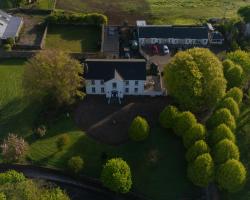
{"points": [[53, 74]]}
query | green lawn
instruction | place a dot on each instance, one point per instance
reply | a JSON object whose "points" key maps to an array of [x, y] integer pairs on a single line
{"points": [[157, 11], [73, 38], [158, 165]]}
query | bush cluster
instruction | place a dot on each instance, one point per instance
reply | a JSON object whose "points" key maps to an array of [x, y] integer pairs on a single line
{"points": [[60, 17]]}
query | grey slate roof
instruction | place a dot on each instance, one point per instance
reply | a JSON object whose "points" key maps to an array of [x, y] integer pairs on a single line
{"points": [[178, 32], [13, 27], [103, 69], [217, 36]]}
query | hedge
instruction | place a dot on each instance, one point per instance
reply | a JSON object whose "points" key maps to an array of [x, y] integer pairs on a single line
{"points": [[77, 18]]}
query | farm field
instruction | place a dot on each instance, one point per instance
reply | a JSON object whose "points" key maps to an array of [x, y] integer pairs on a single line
{"points": [[157, 11], [73, 38]]}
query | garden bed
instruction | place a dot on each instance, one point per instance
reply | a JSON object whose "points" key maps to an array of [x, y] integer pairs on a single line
{"points": [[74, 38]]}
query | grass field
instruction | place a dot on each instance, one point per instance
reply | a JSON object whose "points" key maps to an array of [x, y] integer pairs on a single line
{"points": [[74, 38], [158, 165], [157, 11]]}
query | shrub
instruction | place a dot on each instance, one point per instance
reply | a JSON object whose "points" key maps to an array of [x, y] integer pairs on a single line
{"points": [[221, 116], [231, 105], [195, 79], [116, 175], [225, 150], [231, 175], [7, 47], [236, 94], [41, 131], [233, 74], [196, 132], [60, 17], [10, 41], [139, 129], [198, 148], [221, 132], [75, 164], [168, 116], [14, 149], [11, 176], [62, 141], [201, 171], [184, 122]]}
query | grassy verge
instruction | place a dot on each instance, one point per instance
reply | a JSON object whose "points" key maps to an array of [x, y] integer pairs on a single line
{"points": [[74, 38]]}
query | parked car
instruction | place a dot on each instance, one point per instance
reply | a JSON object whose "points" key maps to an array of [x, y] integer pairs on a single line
{"points": [[166, 49]]}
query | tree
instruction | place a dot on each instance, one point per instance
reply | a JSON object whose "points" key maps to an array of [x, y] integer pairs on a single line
{"points": [[195, 79], [116, 175], [201, 171], [222, 116], [244, 12], [62, 141], [196, 132], [11, 176], [225, 150], [53, 74], [231, 105], [13, 148], [231, 175], [168, 116], [184, 122], [236, 94], [233, 73], [221, 132], [75, 164], [2, 196], [198, 148], [139, 129]]}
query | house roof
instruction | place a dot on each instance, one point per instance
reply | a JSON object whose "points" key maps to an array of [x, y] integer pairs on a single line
{"points": [[217, 36], [179, 32], [122, 69], [9, 25]]}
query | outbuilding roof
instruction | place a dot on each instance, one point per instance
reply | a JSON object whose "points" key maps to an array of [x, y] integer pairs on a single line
{"points": [[12, 28], [105, 69], [178, 32]]}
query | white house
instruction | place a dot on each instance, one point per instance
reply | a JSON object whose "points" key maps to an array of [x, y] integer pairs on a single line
{"points": [[216, 38], [174, 35], [10, 26], [115, 78]]}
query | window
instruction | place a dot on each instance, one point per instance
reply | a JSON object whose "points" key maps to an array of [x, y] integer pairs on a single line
{"points": [[92, 82], [102, 82], [126, 82], [102, 90], [127, 90], [114, 85], [136, 82], [136, 90], [93, 90]]}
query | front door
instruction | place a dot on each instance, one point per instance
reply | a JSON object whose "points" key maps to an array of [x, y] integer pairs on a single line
{"points": [[114, 94]]}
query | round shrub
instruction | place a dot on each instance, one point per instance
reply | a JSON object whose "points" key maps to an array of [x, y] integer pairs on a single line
{"points": [[231, 105], [168, 116], [225, 150], [10, 41], [233, 73], [196, 132], [41, 131], [116, 175], [184, 122], [236, 94], [139, 129], [11, 176], [221, 116], [195, 79], [221, 132], [75, 164], [7, 47], [62, 141], [200, 147], [231, 175], [201, 171]]}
